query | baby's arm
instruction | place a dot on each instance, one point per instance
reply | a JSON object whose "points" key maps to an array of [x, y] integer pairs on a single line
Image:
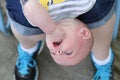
{"points": [[38, 16]]}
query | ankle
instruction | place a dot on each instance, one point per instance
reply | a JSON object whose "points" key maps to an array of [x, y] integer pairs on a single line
{"points": [[101, 53], [105, 61], [30, 50]]}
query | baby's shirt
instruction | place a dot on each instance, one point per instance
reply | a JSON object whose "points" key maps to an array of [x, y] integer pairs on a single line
{"points": [[63, 9]]}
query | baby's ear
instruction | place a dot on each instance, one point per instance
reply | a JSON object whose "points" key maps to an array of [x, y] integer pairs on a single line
{"points": [[84, 33]]}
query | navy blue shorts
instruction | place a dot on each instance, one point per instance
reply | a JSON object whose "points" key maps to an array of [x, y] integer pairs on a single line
{"points": [[102, 11], [98, 12]]}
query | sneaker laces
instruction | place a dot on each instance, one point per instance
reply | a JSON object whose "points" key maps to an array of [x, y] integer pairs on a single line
{"points": [[103, 73], [24, 61]]}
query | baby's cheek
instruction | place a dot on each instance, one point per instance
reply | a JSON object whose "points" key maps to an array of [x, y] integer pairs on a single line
{"points": [[67, 46], [70, 42], [49, 44]]}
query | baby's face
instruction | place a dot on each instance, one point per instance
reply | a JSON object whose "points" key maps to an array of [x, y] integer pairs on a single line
{"points": [[72, 49]]}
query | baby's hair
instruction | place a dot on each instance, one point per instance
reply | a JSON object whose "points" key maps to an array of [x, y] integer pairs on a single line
{"points": [[74, 22], [80, 23]]}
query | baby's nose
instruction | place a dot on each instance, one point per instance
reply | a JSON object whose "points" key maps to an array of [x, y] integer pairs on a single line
{"points": [[57, 52], [56, 47]]}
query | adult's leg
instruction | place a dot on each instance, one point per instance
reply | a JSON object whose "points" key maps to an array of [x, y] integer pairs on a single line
{"points": [[102, 39], [102, 55], [27, 41], [26, 65]]}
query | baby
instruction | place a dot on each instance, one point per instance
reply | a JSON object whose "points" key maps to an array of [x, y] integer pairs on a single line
{"points": [[76, 45], [69, 41]]}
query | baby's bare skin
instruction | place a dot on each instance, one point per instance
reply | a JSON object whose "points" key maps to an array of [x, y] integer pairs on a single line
{"points": [[75, 46]]}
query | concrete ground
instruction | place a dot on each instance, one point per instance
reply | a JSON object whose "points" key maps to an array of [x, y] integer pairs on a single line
{"points": [[48, 69]]}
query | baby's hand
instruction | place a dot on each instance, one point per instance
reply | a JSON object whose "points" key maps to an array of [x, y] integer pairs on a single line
{"points": [[57, 36]]}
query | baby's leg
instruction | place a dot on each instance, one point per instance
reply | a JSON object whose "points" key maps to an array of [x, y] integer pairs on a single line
{"points": [[102, 54]]}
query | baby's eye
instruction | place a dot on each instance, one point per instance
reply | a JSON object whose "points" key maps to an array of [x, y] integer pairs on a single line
{"points": [[68, 52]]}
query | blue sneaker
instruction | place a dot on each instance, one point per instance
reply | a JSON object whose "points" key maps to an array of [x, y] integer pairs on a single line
{"points": [[104, 72], [26, 65]]}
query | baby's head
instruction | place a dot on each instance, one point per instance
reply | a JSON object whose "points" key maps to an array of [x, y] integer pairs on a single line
{"points": [[76, 45]]}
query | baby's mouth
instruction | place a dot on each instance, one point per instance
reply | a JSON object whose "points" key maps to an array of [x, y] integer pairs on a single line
{"points": [[56, 44]]}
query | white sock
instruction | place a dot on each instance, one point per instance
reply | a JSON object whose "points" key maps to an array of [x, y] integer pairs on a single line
{"points": [[31, 50], [102, 62]]}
